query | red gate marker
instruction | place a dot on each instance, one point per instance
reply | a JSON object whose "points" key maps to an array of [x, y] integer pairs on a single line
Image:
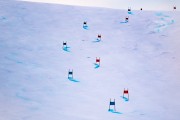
{"points": [[127, 19], [99, 36], [98, 61], [126, 92]]}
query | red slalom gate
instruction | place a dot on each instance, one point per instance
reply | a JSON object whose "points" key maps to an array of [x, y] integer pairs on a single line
{"points": [[127, 19], [98, 61], [126, 92], [99, 36]]}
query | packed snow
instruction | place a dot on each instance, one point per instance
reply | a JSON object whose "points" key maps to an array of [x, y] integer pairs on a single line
{"points": [[141, 55]]}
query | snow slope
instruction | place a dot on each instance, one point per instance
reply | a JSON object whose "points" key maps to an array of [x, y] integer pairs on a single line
{"points": [[141, 55]]}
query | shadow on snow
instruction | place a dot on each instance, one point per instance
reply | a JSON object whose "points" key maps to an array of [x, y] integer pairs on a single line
{"points": [[97, 40], [131, 13], [96, 65], [86, 27], [112, 111], [124, 22], [125, 98], [73, 80], [66, 49]]}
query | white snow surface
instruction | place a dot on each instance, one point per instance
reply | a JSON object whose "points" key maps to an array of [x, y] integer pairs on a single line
{"points": [[142, 56]]}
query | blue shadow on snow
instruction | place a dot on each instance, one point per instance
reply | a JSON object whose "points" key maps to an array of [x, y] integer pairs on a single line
{"points": [[96, 65], [125, 98], [172, 21], [112, 111], [131, 13], [22, 97], [2, 18], [66, 49], [124, 22], [159, 14], [86, 27], [73, 80], [97, 40], [166, 16]]}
